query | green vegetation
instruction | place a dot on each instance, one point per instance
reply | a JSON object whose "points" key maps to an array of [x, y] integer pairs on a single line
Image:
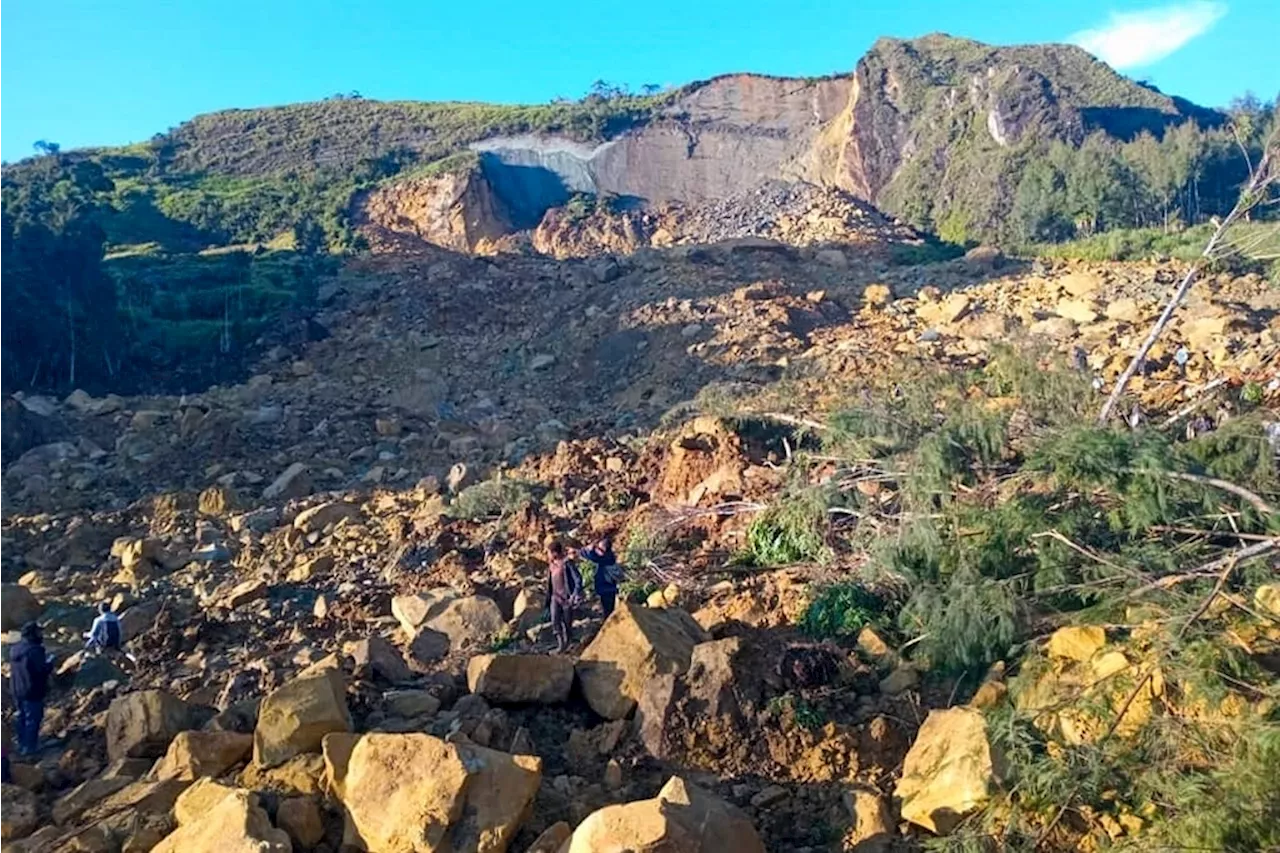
{"points": [[840, 610], [791, 532], [1052, 145], [499, 497], [801, 712], [1009, 514], [248, 176]]}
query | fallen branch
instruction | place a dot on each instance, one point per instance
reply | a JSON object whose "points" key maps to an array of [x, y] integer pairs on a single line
{"points": [[1195, 403], [787, 419], [1240, 491], [1209, 569]]}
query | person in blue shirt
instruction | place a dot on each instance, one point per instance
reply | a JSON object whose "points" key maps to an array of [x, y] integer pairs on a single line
{"points": [[105, 633], [607, 572]]}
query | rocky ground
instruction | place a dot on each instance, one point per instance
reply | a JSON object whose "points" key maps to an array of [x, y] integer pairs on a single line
{"points": [[331, 574]]}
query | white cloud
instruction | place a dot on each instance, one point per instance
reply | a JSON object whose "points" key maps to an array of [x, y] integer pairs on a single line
{"points": [[1135, 39]]}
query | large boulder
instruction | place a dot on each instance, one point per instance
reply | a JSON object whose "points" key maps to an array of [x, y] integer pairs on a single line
{"points": [[295, 717], [202, 753], [17, 606], [681, 819], [544, 679], [467, 621], [19, 812], [234, 824], [415, 792], [722, 687], [948, 772], [141, 724], [634, 645]]}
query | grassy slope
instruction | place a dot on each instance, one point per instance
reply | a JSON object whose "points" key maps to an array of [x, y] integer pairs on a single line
{"points": [[246, 176]]}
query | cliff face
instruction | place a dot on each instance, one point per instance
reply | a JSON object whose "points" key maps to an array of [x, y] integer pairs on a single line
{"points": [[915, 129], [456, 210]]}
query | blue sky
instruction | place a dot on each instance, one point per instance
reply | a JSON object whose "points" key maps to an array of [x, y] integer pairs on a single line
{"points": [[88, 72]]}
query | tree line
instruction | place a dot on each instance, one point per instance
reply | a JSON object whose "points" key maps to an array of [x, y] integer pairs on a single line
{"points": [[1180, 178]]}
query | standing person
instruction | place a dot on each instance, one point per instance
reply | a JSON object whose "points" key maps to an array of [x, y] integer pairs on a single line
{"points": [[29, 682], [606, 563], [564, 588]]}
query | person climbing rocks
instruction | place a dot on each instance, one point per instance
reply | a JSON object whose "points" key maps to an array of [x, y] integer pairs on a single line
{"points": [[29, 668], [608, 572], [564, 589], [105, 634]]}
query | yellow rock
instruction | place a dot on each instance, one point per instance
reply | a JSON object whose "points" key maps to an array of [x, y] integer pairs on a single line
{"points": [[1079, 310], [948, 772], [414, 792], [877, 295], [1267, 598], [681, 819], [1124, 311], [1076, 642], [236, 824]]}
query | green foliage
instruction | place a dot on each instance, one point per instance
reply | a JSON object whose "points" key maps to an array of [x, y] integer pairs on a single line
{"points": [[496, 498], [644, 544], [791, 532], [802, 713], [636, 589], [965, 625], [503, 640], [840, 610]]}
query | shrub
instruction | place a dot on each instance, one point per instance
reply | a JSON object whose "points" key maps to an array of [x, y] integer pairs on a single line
{"points": [[840, 610], [967, 624], [792, 532], [492, 499]]}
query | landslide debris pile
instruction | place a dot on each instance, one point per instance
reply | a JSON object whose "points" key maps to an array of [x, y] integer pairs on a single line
{"points": [[882, 582], [797, 214]]}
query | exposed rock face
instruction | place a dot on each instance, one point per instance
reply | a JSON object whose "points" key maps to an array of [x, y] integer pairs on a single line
{"points": [[634, 645], [948, 772], [456, 210], [544, 679], [141, 724], [296, 717], [681, 819], [466, 620], [414, 792]]}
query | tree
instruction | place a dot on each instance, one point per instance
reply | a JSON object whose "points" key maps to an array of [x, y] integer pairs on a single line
{"points": [[309, 237], [46, 148]]}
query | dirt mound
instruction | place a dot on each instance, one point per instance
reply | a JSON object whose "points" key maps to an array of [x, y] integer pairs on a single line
{"points": [[792, 213]]}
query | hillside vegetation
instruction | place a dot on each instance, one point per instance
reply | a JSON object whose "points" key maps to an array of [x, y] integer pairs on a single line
{"points": [[1041, 143]]}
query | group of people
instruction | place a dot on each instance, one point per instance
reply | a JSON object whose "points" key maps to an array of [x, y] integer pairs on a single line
{"points": [[30, 666], [565, 586]]}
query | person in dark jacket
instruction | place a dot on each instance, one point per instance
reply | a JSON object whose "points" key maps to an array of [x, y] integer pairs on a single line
{"points": [[607, 573], [564, 589], [29, 668]]}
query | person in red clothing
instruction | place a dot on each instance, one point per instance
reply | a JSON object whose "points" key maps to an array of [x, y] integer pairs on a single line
{"points": [[564, 589]]}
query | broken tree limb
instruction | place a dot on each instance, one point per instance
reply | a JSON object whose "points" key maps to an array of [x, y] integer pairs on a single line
{"points": [[1209, 569], [1240, 491]]}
